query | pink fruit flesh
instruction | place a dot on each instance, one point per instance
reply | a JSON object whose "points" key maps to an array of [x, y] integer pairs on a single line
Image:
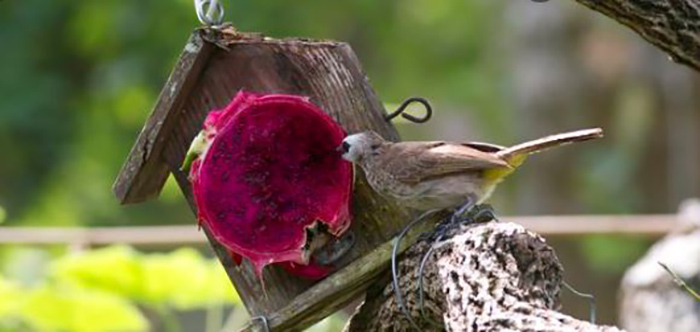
{"points": [[309, 271], [270, 171]]}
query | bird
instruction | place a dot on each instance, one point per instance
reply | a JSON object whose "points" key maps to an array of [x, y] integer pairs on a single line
{"points": [[439, 175]]}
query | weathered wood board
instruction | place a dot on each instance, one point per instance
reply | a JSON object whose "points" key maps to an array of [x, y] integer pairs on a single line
{"points": [[213, 67]]}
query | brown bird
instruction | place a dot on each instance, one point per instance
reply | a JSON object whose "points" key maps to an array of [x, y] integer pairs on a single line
{"points": [[441, 175]]}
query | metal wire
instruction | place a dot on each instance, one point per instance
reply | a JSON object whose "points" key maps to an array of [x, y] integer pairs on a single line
{"points": [[266, 324], [209, 12], [401, 110], [421, 296], [484, 210], [590, 297], [394, 273]]}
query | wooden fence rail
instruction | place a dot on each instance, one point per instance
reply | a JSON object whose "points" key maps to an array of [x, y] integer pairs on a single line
{"points": [[564, 225]]}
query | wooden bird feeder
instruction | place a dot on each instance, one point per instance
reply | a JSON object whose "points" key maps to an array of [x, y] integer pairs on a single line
{"points": [[214, 65]]}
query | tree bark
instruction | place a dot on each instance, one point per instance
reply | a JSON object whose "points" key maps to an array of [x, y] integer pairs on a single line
{"points": [[488, 277], [671, 25]]}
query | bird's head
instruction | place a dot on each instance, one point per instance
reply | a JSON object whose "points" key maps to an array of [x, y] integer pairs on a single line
{"points": [[356, 147]]}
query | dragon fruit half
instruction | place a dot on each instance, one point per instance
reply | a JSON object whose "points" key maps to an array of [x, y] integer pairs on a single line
{"points": [[266, 178]]}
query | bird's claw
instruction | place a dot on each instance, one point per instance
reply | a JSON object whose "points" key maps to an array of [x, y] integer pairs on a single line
{"points": [[470, 213], [335, 249], [483, 213]]}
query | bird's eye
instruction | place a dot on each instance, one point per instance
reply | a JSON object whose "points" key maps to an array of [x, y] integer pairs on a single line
{"points": [[374, 146], [346, 147]]}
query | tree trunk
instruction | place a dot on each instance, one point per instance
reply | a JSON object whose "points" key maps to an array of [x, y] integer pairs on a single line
{"points": [[671, 25], [488, 277]]}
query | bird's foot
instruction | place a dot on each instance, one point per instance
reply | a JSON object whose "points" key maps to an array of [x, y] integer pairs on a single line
{"points": [[335, 249], [464, 215], [462, 212], [483, 213], [470, 213]]}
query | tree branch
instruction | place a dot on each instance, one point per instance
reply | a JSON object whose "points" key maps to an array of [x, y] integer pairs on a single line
{"points": [[671, 25], [489, 277]]}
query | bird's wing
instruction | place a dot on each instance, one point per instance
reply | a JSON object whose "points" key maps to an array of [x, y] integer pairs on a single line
{"points": [[413, 162]]}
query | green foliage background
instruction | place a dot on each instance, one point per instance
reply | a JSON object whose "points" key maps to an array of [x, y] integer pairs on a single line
{"points": [[78, 79], [110, 289]]}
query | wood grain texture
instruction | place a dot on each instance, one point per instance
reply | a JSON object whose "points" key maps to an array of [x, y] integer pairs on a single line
{"points": [[334, 292], [144, 172], [671, 25], [329, 73]]}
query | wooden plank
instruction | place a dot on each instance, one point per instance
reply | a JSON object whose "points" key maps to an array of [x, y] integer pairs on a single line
{"points": [[89, 236], [653, 225], [96, 236], [329, 73], [339, 289], [144, 173]]}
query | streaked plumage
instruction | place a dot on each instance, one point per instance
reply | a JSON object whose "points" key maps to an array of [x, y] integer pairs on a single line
{"points": [[440, 175]]}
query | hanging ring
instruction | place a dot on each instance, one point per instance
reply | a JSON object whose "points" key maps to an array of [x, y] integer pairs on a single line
{"points": [[209, 12], [402, 108]]}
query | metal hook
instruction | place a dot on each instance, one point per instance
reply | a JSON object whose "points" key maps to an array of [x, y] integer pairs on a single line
{"points": [[264, 320], [414, 119], [209, 12]]}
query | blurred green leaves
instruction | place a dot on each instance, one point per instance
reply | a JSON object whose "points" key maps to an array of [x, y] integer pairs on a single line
{"points": [[80, 78], [51, 308], [124, 266], [186, 281], [102, 290], [10, 302], [182, 279]]}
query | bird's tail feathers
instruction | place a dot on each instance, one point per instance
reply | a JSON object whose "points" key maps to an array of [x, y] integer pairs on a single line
{"points": [[516, 154]]}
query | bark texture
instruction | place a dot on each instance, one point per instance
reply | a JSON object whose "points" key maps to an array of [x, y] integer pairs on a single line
{"points": [[487, 277], [671, 25]]}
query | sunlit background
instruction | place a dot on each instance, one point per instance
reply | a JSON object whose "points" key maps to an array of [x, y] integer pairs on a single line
{"points": [[79, 78]]}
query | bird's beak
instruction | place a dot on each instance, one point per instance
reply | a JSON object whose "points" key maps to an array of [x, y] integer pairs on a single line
{"points": [[343, 148]]}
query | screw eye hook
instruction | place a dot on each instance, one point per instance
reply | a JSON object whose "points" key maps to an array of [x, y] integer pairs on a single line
{"points": [[209, 12], [402, 111]]}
